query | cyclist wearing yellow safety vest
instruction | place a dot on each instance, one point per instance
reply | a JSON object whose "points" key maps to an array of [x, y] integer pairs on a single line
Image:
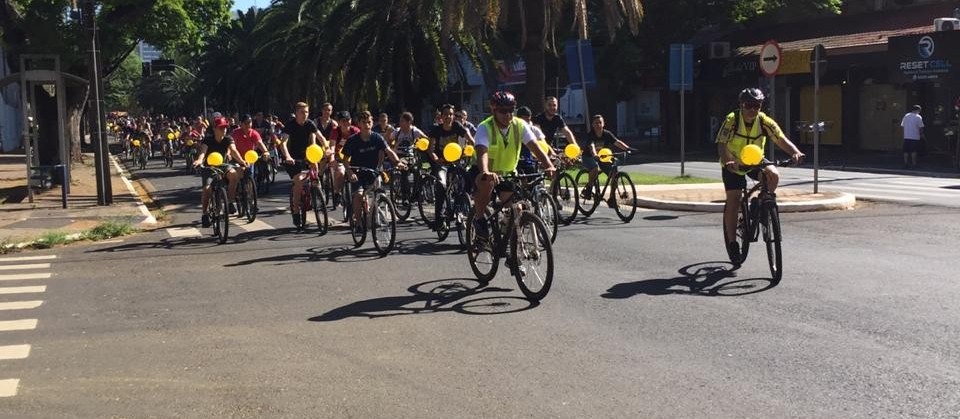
{"points": [[498, 142], [742, 127]]}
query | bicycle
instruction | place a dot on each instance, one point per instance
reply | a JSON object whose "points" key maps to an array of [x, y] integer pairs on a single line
{"points": [[217, 206], [403, 186], [140, 158], [311, 199], [383, 219], [168, 154], [512, 224], [266, 170], [544, 204], [454, 204], [247, 197], [189, 154], [564, 190], [623, 194], [759, 211], [426, 192]]}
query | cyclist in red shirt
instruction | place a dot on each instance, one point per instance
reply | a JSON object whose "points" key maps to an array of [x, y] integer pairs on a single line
{"points": [[337, 139], [246, 138]]}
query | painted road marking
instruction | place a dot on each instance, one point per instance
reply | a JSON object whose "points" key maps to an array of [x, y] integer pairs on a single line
{"points": [[20, 277], [20, 305], [8, 388], [14, 352], [178, 232], [11, 325], [24, 267], [23, 290], [253, 227], [26, 258]]}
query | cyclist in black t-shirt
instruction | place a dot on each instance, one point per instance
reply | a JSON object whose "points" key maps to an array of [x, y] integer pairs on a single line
{"points": [[221, 143], [550, 122], [606, 139], [298, 134]]}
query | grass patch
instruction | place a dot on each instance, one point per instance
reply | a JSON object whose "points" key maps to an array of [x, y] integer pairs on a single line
{"points": [[109, 230], [50, 239], [650, 179]]}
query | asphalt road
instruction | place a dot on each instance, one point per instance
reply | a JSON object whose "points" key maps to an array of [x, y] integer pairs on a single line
{"points": [[644, 320]]}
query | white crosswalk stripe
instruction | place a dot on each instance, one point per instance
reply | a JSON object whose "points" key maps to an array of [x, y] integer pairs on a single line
{"points": [[255, 226], [181, 232], [18, 351]]}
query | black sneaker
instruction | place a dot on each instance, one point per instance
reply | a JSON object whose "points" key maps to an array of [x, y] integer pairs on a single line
{"points": [[205, 221], [232, 208], [733, 249]]}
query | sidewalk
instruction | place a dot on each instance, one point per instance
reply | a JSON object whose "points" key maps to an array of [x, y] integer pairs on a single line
{"points": [[22, 221], [710, 197]]}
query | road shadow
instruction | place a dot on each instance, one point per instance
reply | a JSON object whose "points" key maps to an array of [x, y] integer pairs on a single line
{"points": [[711, 279], [443, 295]]}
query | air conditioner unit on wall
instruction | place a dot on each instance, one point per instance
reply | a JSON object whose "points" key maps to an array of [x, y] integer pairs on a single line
{"points": [[946, 24], [719, 50]]}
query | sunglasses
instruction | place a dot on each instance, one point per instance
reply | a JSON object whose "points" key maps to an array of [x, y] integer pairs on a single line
{"points": [[505, 111], [750, 105]]}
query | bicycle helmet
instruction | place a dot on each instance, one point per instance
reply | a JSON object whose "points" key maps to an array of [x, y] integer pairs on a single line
{"points": [[751, 94], [503, 98]]}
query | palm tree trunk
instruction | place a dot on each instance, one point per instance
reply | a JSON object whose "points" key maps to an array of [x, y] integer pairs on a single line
{"points": [[533, 55]]}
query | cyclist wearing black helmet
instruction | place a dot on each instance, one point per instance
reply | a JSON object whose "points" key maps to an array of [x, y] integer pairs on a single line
{"points": [[742, 127], [498, 142]]}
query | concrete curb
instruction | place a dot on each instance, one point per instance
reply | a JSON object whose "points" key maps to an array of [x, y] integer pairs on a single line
{"points": [[844, 201], [150, 220]]}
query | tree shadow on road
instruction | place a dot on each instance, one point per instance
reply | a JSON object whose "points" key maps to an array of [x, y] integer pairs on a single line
{"points": [[443, 295], [711, 279]]}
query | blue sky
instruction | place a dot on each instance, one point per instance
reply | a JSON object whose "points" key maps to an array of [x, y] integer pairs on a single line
{"points": [[245, 4]]}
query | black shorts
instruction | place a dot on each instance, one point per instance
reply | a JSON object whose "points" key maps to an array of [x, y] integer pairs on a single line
{"points": [[205, 177], [364, 179], [503, 186], [294, 169], [911, 146], [735, 182]]}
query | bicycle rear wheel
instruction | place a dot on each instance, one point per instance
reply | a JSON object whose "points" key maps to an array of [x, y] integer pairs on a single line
{"points": [[565, 194], [546, 209], [532, 257], [588, 206], [443, 214], [384, 226], [426, 200], [222, 218], [742, 236], [250, 204], [401, 194], [624, 196], [319, 209], [461, 214], [770, 224], [481, 252]]}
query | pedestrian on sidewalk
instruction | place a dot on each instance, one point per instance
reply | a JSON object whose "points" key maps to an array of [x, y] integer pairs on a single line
{"points": [[912, 124]]}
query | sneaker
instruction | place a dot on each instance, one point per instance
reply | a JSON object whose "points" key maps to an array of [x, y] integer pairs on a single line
{"points": [[205, 221], [733, 249], [232, 208]]}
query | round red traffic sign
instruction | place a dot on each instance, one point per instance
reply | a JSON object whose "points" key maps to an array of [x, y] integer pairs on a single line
{"points": [[770, 58]]}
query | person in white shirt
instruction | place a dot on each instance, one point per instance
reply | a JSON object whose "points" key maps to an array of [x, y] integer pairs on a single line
{"points": [[912, 134]]}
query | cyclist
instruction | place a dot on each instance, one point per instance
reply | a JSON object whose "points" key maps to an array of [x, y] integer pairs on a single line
{"points": [[551, 122], [298, 134], [447, 132], [340, 135], [248, 139], [527, 163], [325, 122], [590, 160], [384, 128], [366, 149], [498, 143], [462, 119], [744, 126], [404, 136], [221, 143]]}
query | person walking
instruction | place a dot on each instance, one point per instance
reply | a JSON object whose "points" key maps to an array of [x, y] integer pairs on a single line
{"points": [[912, 124]]}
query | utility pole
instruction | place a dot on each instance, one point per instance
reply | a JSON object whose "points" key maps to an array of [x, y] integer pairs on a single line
{"points": [[97, 121]]}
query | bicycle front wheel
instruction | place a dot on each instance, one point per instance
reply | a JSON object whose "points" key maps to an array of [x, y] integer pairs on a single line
{"points": [[426, 200], [532, 257], [482, 251], [546, 209], [319, 209], [564, 193], [401, 194], [625, 197], [358, 228], [742, 235], [770, 224], [384, 226], [222, 217]]}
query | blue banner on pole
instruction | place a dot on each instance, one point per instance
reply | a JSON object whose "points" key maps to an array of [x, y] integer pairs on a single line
{"points": [[573, 63], [681, 64]]}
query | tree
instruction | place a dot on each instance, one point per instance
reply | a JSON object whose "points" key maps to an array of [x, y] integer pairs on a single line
{"points": [[45, 27]]}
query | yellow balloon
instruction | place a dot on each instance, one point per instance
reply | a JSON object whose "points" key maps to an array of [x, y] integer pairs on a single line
{"points": [[469, 150], [422, 144], [314, 153], [452, 152], [250, 157], [277, 141], [214, 159], [544, 146], [170, 136], [189, 143], [136, 143], [572, 151], [605, 155], [751, 155]]}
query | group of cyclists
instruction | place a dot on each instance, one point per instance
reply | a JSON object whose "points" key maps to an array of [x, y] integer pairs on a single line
{"points": [[356, 150]]}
